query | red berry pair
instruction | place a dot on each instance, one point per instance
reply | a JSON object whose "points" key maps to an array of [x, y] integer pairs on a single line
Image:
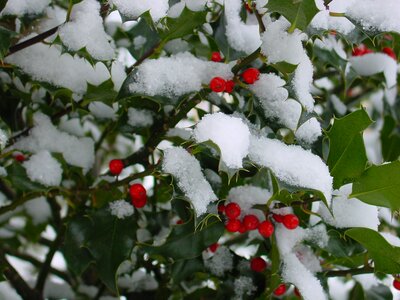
{"points": [[218, 85], [290, 221], [138, 195]]}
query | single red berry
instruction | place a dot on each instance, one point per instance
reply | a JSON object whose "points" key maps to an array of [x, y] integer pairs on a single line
{"points": [[216, 56], [250, 222], [116, 166], [290, 221], [221, 208], [251, 75], [248, 8], [280, 290], [277, 218], [232, 210], [257, 264], [242, 228], [217, 84], [230, 85], [361, 50], [390, 52], [213, 247], [266, 229], [296, 292], [396, 283], [179, 222], [232, 225], [138, 195], [19, 157]]}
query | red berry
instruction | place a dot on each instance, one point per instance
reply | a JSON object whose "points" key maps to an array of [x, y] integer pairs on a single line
{"points": [[213, 247], [217, 84], [297, 293], [257, 264], [396, 283], [361, 50], [116, 166], [280, 290], [242, 228], [390, 52], [266, 229], [251, 222], [251, 75], [290, 221], [221, 208], [216, 57], [278, 218], [230, 85], [179, 222], [19, 157], [232, 225], [248, 8], [138, 195], [232, 210]]}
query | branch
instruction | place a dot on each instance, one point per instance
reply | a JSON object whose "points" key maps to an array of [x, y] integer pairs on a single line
{"points": [[32, 41], [17, 281], [342, 273]]}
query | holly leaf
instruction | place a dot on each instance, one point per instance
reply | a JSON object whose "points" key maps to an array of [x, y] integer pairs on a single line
{"points": [[5, 37], [110, 241], [185, 242], [298, 12], [3, 4], [103, 93], [386, 257], [347, 157], [379, 185], [390, 139], [182, 25]]}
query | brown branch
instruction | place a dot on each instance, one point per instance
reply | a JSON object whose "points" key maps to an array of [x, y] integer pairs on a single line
{"points": [[17, 281], [32, 41]]}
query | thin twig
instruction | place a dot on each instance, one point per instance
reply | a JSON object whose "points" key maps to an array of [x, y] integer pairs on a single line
{"points": [[355, 271]]}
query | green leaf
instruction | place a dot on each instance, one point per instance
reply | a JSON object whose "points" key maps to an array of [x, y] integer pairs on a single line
{"points": [[357, 293], [5, 38], [184, 269], [284, 67], [110, 241], [386, 257], [77, 257], [183, 25], [20, 180], [390, 139], [104, 93], [379, 185], [347, 157], [380, 292], [298, 12], [189, 241]]}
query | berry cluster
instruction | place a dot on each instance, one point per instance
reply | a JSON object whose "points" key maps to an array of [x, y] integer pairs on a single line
{"points": [[250, 222], [136, 191]]}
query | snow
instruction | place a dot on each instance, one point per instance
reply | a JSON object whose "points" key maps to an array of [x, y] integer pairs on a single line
{"points": [[176, 75], [229, 133], [309, 131], [292, 164], [24, 7], [301, 83], [3, 172], [140, 117], [293, 270], [55, 16], [67, 71], [241, 36], [374, 63], [3, 139], [45, 136], [350, 212], [121, 209], [243, 286], [385, 16], [139, 41], [392, 239], [118, 74], [183, 133], [102, 111], [279, 45], [194, 5], [273, 98], [85, 30], [44, 168], [138, 281], [247, 196], [221, 262], [187, 171], [38, 209], [133, 9]]}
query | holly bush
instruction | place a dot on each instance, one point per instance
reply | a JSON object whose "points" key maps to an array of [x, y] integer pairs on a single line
{"points": [[202, 149]]}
